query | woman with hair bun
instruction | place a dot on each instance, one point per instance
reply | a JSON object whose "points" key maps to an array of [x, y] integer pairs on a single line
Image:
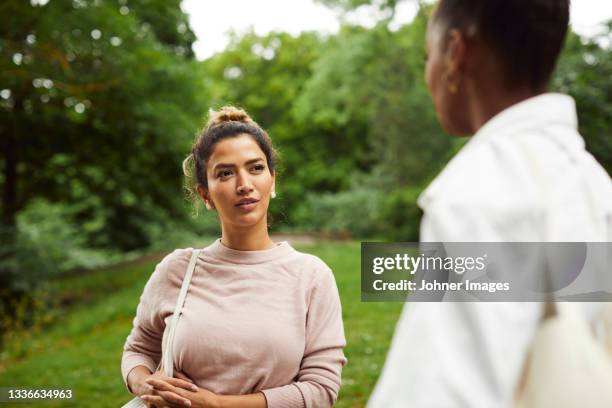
{"points": [[262, 323]]}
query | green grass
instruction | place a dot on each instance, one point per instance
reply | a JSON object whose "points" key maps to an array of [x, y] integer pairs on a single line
{"points": [[82, 349]]}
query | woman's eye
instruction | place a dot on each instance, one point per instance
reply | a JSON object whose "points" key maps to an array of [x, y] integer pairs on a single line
{"points": [[258, 167], [224, 173]]}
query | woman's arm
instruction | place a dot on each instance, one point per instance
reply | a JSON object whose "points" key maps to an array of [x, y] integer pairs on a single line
{"points": [[318, 380], [256, 400], [136, 380], [143, 345]]}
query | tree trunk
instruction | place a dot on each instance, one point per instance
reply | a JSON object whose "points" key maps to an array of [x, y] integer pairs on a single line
{"points": [[8, 222], [9, 198], [9, 189]]}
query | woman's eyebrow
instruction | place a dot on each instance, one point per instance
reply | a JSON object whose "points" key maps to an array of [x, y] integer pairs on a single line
{"points": [[222, 165], [225, 165]]}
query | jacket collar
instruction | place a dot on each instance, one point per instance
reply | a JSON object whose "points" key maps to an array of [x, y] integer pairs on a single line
{"points": [[533, 113], [537, 113]]}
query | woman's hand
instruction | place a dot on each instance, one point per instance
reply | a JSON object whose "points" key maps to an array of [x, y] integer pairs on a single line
{"points": [[160, 391], [179, 395], [181, 392]]}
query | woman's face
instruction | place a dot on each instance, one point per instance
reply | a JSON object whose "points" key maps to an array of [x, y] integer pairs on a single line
{"points": [[444, 80], [239, 182]]}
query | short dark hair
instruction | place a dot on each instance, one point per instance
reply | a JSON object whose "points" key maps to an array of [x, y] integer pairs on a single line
{"points": [[527, 35]]}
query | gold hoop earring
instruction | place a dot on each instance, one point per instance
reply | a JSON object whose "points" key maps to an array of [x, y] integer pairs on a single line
{"points": [[450, 86]]}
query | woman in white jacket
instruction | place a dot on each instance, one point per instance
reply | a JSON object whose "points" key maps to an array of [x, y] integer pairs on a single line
{"points": [[523, 176]]}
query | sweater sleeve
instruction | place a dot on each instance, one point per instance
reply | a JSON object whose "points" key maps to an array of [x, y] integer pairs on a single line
{"points": [[143, 344], [318, 380]]}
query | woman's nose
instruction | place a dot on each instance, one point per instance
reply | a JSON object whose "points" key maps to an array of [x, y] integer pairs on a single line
{"points": [[244, 189], [244, 184]]}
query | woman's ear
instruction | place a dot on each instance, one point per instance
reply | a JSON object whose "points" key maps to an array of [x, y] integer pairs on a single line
{"points": [[204, 194], [455, 57]]}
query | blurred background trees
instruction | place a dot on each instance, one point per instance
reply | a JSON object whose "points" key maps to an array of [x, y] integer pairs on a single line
{"points": [[100, 101], [97, 99]]}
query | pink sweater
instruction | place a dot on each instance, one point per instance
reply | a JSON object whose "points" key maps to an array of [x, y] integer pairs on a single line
{"points": [[253, 321]]}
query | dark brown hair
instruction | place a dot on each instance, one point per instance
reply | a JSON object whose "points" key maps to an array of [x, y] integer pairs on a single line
{"points": [[225, 123], [527, 35]]}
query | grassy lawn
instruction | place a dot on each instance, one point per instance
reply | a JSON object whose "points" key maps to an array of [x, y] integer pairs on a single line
{"points": [[82, 350]]}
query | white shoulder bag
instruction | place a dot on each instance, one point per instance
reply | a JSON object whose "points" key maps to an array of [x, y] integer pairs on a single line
{"points": [[167, 354], [567, 366]]}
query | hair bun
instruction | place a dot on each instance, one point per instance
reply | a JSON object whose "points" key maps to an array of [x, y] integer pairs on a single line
{"points": [[227, 114]]}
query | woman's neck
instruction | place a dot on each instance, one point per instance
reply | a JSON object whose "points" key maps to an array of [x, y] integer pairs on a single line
{"points": [[252, 238], [489, 103]]}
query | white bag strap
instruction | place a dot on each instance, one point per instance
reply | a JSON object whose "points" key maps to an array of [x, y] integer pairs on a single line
{"points": [[167, 352]]}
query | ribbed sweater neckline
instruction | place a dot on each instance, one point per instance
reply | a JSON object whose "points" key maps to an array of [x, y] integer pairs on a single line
{"points": [[219, 251]]}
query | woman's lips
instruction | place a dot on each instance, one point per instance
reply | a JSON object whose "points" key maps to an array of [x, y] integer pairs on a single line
{"points": [[247, 206]]}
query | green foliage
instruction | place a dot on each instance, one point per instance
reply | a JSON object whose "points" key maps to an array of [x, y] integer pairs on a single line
{"points": [[167, 232], [58, 240], [22, 265], [405, 134], [347, 5], [368, 96], [584, 71], [98, 107], [344, 214], [336, 107], [99, 111], [168, 22], [401, 215]]}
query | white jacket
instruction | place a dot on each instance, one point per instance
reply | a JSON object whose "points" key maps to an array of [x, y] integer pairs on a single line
{"points": [[525, 176]]}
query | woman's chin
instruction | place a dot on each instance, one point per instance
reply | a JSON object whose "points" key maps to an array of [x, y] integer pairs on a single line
{"points": [[247, 220]]}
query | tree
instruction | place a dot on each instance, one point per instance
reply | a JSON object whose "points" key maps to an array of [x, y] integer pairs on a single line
{"points": [[584, 72], [386, 8], [347, 5], [368, 93], [337, 106], [96, 109]]}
